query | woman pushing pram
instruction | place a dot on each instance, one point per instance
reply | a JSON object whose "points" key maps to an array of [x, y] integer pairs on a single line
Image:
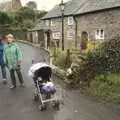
{"points": [[45, 90]]}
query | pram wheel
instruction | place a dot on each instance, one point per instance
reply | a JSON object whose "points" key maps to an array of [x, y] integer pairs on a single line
{"points": [[36, 98], [43, 107], [56, 105]]}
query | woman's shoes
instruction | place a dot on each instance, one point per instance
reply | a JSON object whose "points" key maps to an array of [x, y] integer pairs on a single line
{"points": [[12, 87]]}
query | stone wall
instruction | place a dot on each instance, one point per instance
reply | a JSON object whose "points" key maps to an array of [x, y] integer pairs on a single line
{"points": [[108, 20]]}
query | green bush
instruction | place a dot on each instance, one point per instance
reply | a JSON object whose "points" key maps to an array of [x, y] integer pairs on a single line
{"points": [[61, 58], [103, 59], [106, 58], [92, 45]]}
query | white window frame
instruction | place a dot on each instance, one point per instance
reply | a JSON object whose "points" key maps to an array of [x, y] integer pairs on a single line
{"points": [[56, 35], [47, 22], [99, 34], [70, 34], [52, 23], [70, 20]]}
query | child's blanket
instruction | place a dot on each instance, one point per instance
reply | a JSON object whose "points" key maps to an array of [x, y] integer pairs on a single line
{"points": [[48, 87]]}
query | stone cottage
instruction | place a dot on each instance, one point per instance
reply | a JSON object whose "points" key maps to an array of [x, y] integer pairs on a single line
{"points": [[84, 20], [40, 35]]}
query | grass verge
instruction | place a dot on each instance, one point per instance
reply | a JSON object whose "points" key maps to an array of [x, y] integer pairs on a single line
{"points": [[106, 87]]}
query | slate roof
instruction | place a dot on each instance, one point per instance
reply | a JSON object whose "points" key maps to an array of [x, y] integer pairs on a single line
{"points": [[40, 26], [70, 7], [75, 7], [96, 5]]}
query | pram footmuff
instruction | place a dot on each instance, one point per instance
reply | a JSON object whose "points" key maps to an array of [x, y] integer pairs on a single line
{"points": [[45, 90]]}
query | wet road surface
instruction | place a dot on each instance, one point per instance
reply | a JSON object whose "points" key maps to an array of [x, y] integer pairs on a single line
{"points": [[18, 104]]}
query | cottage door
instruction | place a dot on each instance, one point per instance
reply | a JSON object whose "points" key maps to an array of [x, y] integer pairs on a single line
{"points": [[84, 40]]}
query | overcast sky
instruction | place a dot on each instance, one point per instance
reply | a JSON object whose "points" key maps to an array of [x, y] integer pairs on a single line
{"points": [[42, 4]]}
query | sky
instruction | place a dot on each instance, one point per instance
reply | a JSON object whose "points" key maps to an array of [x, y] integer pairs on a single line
{"points": [[42, 4]]}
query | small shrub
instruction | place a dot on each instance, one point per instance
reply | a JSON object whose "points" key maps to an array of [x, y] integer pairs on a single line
{"points": [[61, 58], [92, 45]]}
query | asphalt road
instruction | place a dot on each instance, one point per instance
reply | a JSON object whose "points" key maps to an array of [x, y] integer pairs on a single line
{"points": [[18, 104]]}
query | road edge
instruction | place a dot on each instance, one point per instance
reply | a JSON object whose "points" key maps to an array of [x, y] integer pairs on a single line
{"points": [[56, 70]]}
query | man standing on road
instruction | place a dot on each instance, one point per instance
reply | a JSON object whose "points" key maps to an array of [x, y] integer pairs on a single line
{"points": [[12, 59], [2, 65]]}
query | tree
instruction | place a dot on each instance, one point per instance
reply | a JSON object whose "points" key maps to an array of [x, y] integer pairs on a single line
{"points": [[25, 18], [31, 5], [28, 24], [5, 18], [25, 13], [41, 14]]}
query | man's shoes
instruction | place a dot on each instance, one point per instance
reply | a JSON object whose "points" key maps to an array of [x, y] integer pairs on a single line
{"points": [[12, 87]]}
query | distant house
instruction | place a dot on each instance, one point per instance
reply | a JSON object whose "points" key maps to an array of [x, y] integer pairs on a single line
{"points": [[40, 35], [84, 20]]}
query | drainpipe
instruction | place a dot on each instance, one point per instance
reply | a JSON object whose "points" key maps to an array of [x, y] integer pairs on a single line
{"points": [[76, 27]]}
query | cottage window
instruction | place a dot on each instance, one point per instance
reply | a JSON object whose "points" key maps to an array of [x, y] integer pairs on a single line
{"points": [[70, 34], [70, 21], [52, 23], [56, 35], [47, 22], [99, 34]]}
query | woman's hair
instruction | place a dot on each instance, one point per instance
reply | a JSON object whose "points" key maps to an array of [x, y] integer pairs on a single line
{"points": [[10, 36]]}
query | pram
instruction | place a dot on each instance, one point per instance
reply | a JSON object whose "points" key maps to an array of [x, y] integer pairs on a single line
{"points": [[45, 90]]}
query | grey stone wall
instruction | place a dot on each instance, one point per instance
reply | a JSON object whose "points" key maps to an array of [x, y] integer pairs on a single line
{"points": [[108, 20]]}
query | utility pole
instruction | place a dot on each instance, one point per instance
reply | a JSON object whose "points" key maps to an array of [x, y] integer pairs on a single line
{"points": [[62, 7]]}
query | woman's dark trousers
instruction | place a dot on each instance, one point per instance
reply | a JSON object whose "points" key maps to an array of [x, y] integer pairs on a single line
{"points": [[13, 78]]}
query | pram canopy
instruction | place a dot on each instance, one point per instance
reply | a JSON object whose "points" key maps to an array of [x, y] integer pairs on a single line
{"points": [[42, 70]]}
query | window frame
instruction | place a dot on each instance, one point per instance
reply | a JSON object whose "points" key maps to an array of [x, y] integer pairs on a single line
{"points": [[52, 23], [56, 35], [100, 34], [47, 22]]}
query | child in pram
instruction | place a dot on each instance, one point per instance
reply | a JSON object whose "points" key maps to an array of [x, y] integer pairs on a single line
{"points": [[44, 87]]}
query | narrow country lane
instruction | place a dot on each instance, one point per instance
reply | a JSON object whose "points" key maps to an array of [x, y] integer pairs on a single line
{"points": [[18, 104]]}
